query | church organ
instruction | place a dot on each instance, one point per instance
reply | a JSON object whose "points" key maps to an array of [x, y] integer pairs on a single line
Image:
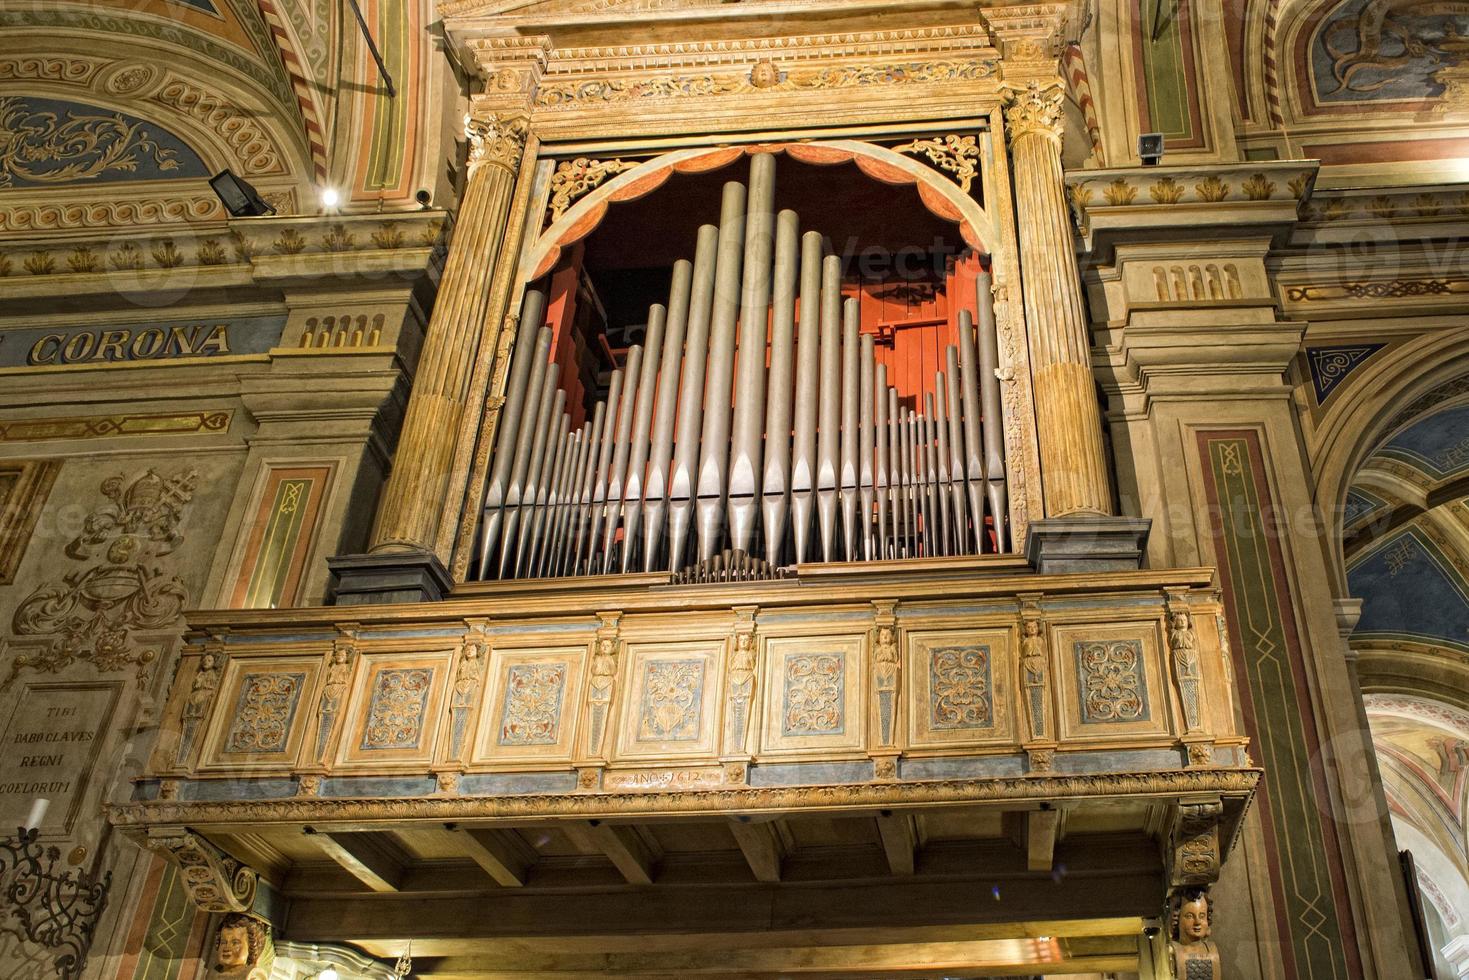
{"points": [[755, 417]]}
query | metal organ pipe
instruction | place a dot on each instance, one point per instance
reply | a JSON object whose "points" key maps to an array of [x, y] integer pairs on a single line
{"points": [[776, 483], [756, 398], [532, 310], [747, 437]]}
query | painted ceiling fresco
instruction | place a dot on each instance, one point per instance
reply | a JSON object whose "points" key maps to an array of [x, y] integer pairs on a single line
{"points": [[51, 142], [1437, 445], [1376, 50], [1411, 588]]}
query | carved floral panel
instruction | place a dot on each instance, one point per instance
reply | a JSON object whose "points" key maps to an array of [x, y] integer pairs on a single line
{"points": [[264, 712], [531, 711], [395, 715], [960, 694], [1112, 682], [813, 695], [672, 696]]}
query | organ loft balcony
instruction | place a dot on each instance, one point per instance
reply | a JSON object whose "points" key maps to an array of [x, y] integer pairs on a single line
{"points": [[751, 661]]}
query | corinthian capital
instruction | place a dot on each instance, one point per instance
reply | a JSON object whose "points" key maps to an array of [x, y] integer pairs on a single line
{"points": [[497, 139], [1035, 107]]}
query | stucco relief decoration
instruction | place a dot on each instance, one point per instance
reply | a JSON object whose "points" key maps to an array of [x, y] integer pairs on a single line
{"points": [[814, 686], [395, 714], [496, 139], [574, 178], [1035, 109], [1112, 684], [955, 155], [959, 688], [92, 613], [214, 880], [43, 147], [672, 695], [532, 711], [264, 712], [1380, 50]]}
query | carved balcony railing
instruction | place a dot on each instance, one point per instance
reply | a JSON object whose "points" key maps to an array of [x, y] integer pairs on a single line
{"points": [[908, 687]]}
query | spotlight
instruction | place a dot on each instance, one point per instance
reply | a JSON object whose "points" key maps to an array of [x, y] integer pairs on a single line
{"points": [[238, 197], [1150, 148], [330, 198]]}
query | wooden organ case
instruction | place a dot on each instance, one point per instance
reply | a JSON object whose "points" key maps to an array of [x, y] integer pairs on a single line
{"points": [[757, 365]]}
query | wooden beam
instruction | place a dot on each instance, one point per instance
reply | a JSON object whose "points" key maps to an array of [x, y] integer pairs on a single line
{"points": [[500, 853], [627, 851], [1040, 838], [362, 856], [899, 840], [762, 846]]}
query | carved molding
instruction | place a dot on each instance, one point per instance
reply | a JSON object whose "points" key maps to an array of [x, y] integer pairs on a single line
{"points": [[215, 881], [497, 139], [1028, 788]]}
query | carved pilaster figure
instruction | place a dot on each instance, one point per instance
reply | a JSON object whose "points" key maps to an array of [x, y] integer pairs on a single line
{"points": [[1192, 953], [242, 949], [214, 880], [466, 690], [1033, 662], [1183, 647], [603, 683], [202, 692], [885, 678], [741, 691], [333, 692]]}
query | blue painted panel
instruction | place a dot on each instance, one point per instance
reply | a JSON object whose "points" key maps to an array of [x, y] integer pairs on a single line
{"points": [[1331, 365], [60, 143], [515, 784], [981, 767], [238, 789], [367, 787], [810, 773], [1133, 760], [1409, 590], [1438, 444], [1360, 505]]}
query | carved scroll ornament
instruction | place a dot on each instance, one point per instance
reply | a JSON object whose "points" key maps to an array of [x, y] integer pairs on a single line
{"points": [[215, 881]]}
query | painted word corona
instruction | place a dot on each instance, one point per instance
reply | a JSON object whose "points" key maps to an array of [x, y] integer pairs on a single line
{"points": [[124, 344]]}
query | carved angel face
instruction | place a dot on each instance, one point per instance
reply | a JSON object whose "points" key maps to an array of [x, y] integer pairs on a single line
{"points": [[604, 647], [1032, 628], [764, 75], [238, 943], [885, 635], [1193, 920]]}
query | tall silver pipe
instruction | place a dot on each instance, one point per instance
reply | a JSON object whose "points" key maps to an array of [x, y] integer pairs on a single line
{"points": [[714, 443], [655, 492], [569, 499], [604, 466], [642, 421], [973, 434], [883, 468], [895, 479], [808, 385], [682, 484], [828, 427], [957, 491], [910, 488], [865, 442], [532, 310], [581, 516], [938, 409], [540, 462], [621, 450], [851, 433], [535, 389], [548, 494], [932, 539], [775, 484], [989, 392], [747, 437]]}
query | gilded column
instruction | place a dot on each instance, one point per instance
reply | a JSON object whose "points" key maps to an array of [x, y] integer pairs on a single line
{"points": [[414, 497], [1073, 467]]}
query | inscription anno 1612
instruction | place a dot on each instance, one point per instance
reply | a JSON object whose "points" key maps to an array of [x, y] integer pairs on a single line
{"points": [[50, 749]]}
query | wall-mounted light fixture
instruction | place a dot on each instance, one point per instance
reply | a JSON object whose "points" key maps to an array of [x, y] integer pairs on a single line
{"points": [[238, 197]]}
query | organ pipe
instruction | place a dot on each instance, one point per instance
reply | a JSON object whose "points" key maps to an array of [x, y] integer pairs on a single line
{"points": [[755, 417]]}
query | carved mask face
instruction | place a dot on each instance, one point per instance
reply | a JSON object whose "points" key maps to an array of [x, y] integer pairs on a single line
{"points": [[232, 948], [1193, 921]]}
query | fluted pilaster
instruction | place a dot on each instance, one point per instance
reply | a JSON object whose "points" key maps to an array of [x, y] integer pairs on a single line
{"points": [[413, 499], [1073, 464]]}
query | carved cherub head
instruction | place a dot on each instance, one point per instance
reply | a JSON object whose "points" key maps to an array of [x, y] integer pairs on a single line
{"points": [[1193, 919], [238, 943], [1032, 627], [764, 74]]}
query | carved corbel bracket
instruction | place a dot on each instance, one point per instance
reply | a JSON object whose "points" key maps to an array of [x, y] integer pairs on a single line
{"points": [[740, 684], [605, 650], [215, 881], [887, 681], [1194, 851]]}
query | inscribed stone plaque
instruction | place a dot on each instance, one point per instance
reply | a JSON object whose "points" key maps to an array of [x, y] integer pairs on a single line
{"points": [[50, 750]]}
